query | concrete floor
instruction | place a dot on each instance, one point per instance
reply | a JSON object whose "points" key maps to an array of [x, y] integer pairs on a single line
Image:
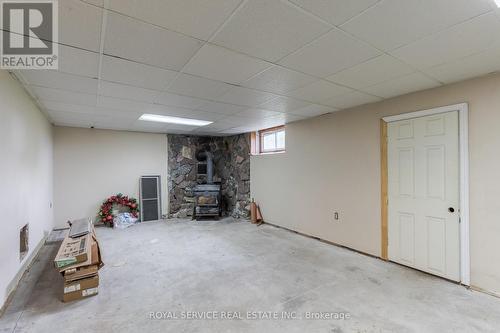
{"points": [[181, 267]]}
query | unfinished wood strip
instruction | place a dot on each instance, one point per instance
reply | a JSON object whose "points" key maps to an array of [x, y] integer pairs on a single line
{"points": [[253, 143], [384, 191]]}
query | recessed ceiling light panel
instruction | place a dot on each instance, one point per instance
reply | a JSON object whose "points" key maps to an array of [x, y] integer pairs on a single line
{"points": [[173, 120], [498, 3]]}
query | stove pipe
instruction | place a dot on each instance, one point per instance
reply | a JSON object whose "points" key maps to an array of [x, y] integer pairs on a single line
{"points": [[210, 165]]}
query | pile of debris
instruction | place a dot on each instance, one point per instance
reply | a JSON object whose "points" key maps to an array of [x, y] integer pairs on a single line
{"points": [[79, 260]]}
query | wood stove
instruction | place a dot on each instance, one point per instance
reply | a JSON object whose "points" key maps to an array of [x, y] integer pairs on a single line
{"points": [[208, 195]]}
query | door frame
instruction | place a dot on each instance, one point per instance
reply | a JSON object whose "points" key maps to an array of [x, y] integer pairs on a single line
{"points": [[463, 116]]}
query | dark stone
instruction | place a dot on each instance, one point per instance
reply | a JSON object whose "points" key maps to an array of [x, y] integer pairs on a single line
{"points": [[231, 167]]}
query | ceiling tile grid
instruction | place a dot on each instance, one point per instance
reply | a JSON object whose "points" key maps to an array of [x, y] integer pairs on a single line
{"points": [[138, 41], [269, 29], [251, 64], [218, 63]]}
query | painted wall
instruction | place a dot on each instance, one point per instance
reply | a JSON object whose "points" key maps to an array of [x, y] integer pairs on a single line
{"points": [[91, 165], [332, 163], [26, 179]]}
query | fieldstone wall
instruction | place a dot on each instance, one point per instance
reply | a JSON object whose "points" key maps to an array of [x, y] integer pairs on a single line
{"points": [[231, 168]]}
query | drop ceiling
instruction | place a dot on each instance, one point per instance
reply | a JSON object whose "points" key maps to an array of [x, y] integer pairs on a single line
{"points": [[248, 65]]}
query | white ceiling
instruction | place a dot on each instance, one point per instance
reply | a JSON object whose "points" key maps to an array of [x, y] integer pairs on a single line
{"points": [[252, 64]]}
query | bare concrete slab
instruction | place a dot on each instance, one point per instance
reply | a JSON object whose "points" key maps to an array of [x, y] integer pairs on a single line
{"points": [[260, 279]]}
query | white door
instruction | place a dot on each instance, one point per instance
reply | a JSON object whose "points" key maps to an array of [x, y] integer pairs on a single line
{"points": [[423, 193]]}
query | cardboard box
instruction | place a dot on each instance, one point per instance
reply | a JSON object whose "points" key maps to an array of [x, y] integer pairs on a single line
{"points": [[79, 260], [73, 251], [80, 273], [93, 255], [81, 288]]}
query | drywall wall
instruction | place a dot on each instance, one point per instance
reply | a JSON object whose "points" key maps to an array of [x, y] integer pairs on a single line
{"points": [[26, 179], [91, 165], [332, 163]]}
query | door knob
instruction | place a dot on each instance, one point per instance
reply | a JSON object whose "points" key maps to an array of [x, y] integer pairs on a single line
{"points": [[451, 210]]}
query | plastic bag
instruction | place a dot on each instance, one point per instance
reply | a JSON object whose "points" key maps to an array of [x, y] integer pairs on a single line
{"points": [[124, 220]]}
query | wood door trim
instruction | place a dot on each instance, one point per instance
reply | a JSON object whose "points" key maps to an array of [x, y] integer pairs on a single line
{"points": [[384, 190]]}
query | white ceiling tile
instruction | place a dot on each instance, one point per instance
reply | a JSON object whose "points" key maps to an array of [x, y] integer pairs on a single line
{"points": [[121, 104], [283, 118], [286, 117], [223, 108], [78, 61], [120, 113], [457, 42], [402, 85], [77, 118], [135, 74], [216, 126], [170, 111], [118, 90], [195, 18], [278, 80], [64, 96], [145, 43], [234, 121], [170, 99], [351, 99], [318, 91], [335, 11], [245, 96], [123, 119], [200, 87], [313, 110], [59, 80], [257, 113], [148, 126], [206, 132], [181, 128], [283, 104], [329, 54], [269, 29], [124, 125], [80, 24], [373, 71], [67, 107], [217, 63], [237, 130], [465, 68], [393, 23]]}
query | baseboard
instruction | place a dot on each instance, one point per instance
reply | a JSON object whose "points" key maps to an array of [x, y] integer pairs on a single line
{"points": [[478, 289], [12, 286], [481, 290], [324, 240]]}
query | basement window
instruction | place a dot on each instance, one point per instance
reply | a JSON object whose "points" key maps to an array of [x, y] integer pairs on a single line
{"points": [[267, 141]]}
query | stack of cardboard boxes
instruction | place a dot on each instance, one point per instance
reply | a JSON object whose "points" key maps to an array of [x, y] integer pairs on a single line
{"points": [[79, 261]]}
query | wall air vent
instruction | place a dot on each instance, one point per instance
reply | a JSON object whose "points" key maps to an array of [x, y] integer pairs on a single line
{"points": [[150, 191]]}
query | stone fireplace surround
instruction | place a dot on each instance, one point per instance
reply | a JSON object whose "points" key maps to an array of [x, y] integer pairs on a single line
{"points": [[231, 156]]}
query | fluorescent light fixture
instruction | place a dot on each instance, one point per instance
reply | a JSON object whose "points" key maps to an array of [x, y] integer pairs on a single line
{"points": [[498, 3], [174, 120]]}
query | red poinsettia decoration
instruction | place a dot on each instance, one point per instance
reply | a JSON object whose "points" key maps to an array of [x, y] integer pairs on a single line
{"points": [[106, 211]]}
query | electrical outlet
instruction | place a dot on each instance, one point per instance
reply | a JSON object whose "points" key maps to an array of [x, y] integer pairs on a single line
{"points": [[336, 216]]}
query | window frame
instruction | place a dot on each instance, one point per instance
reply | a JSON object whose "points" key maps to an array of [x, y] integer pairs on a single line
{"points": [[258, 142]]}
